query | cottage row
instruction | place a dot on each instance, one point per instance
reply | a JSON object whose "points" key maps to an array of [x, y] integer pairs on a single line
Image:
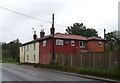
{"points": [[42, 50]]}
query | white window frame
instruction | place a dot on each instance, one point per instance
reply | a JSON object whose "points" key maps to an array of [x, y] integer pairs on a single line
{"points": [[59, 42], [44, 43], [72, 43], [83, 44], [100, 43]]}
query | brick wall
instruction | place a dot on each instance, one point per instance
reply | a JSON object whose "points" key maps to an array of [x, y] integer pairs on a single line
{"points": [[94, 46]]}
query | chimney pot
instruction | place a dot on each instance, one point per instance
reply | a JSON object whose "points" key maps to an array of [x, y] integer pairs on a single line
{"points": [[42, 33], [52, 30], [34, 36]]}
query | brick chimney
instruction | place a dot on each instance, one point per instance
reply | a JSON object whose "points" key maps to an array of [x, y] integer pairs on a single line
{"points": [[52, 31], [42, 33], [34, 36]]}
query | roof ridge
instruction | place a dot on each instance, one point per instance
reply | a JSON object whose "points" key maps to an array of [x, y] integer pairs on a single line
{"points": [[71, 34]]}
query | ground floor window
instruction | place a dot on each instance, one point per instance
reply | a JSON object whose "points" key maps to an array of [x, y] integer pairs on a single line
{"points": [[34, 58]]}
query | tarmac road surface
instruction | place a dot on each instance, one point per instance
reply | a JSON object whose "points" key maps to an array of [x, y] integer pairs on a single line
{"points": [[12, 72]]}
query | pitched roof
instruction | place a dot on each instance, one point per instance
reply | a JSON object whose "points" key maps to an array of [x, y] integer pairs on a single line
{"points": [[69, 36], [36, 40], [77, 37], [95, 38], [65, 36]]}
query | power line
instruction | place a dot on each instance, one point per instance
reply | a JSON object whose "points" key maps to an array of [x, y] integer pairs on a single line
{"points": [[24, 14], [30, 16], [60, 25]]}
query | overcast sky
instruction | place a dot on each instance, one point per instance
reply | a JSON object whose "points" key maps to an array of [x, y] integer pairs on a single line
{"points": [[97, 14]]}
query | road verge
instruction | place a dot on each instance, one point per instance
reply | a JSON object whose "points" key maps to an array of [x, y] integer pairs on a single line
{"points": [[111, 75]]}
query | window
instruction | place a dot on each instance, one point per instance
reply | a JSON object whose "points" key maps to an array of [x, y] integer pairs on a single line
{"points": [[21, 49], [27, 47], [44, 43], [34, 45], [72, 43], [59, 42], [34, 58], [100, 43], [82, 44], [24, 50]]}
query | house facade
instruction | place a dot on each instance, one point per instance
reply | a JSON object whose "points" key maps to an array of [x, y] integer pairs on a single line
{"points": [[29, 53], [41, 50]]}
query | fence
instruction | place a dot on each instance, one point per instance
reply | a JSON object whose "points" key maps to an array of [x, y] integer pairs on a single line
{"points": [[90, 59]]}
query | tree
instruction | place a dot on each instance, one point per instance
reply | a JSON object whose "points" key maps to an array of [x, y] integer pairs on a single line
{"points": [[80, 29], [113, 41], [11, 50]]}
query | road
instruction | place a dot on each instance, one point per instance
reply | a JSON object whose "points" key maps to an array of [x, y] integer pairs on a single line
{"points": [[12, 72]]}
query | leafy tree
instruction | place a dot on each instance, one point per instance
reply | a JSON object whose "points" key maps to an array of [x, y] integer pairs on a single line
{"points": [[11, 50], [113, 41], [80, 29]]}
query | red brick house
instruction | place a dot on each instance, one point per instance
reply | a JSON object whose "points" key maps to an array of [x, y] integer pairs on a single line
{"points": [[47, 46]]}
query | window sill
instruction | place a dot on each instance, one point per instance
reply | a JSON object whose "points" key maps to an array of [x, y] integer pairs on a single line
{"points": [[80, 47]]}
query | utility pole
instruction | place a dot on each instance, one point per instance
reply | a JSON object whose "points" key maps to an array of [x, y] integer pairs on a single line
{"points": [[104, 33], [52, 33], [104, 38]]}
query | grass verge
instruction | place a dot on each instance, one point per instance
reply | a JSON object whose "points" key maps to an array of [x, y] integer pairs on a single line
{"points": [[112, 73], [9, 60]]}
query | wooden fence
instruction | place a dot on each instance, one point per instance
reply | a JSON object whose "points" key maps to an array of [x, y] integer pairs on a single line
{"points": [[90, 59]]}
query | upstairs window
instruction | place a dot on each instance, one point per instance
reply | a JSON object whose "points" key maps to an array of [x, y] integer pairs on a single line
{"points": [[24, 48], [21, 49], [44, 43], [82, 44], [59, 42], [27, 47], [34, 46], [72, 43], [100, 43]]}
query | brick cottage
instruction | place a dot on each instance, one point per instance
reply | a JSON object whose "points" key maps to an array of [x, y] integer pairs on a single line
{"points": [[41, 50]]}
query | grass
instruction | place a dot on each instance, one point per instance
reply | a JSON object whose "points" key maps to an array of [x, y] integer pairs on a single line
{"points": [[0, 61], [112, 73], [9, 60], [106, 73]]}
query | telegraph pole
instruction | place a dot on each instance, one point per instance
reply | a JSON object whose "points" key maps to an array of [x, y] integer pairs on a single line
{"points": [[104, 33], [104, 38], [53, 22], [52, 33]]}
